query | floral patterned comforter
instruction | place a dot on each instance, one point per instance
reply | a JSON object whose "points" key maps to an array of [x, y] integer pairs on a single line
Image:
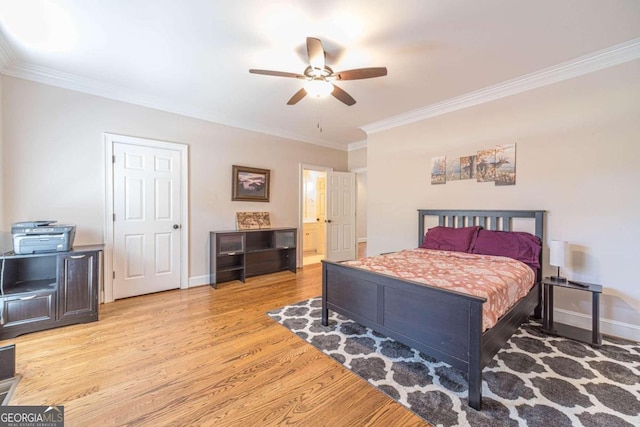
{"points": [[502, 281]]}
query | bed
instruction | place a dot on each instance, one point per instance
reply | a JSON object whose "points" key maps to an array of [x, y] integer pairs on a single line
{"points": [[443, 323]]}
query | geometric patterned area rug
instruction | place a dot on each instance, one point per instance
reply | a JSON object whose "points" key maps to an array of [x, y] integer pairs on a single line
{"points": [[535, 380]]}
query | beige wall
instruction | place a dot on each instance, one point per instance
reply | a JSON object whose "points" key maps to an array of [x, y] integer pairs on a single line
{"points": [[361, 206], [54, 162], [358, 159], [578, 151], [358, 163]]}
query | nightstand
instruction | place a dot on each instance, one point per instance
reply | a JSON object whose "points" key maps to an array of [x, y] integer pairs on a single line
{"points": [[592, 337]]}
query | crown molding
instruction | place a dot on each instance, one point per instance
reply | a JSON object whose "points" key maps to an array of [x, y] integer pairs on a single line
{"points": [[359, 170], [357, 145], [614, 55], [119, 93], [11, 66], [7, 57], [605, 58]]}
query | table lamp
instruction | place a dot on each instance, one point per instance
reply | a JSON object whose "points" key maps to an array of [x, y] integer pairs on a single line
{"points": [[558, 251]]}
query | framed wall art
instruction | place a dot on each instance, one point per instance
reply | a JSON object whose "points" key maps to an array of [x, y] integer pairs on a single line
{"points": [[250, 184]]}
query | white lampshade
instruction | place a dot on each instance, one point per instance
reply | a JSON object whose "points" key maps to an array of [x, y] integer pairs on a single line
{"points": [[558, 251], [318, 87]]}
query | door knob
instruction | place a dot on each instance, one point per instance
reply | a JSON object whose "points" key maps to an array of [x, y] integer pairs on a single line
{"points": [[327, 220], [176, 226]]}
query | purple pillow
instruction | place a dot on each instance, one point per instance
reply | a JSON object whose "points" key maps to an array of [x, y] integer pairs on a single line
{"points": [[450, 239], [524, 247]]}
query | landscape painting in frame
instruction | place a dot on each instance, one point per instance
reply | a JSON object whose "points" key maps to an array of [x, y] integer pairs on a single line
{"points": [[468, 167], [438, 170], [486, 165], [250, 184], [453, 169], [505, 164]]}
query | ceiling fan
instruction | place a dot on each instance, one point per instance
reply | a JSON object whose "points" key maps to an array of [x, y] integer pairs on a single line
{"points": [[320, 77]]}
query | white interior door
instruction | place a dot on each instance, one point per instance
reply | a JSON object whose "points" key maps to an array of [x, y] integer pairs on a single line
{"points": [[341, 216], [147, 219], [321, 185]]}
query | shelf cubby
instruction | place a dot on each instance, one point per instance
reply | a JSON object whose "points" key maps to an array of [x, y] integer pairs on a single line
{"points": [[236, 255]]}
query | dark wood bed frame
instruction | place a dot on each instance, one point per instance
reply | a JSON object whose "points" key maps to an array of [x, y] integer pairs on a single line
{"points": [[442, 323]]}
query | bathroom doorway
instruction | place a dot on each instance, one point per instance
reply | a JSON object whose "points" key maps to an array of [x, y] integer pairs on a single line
{"points": [[314, 196]]}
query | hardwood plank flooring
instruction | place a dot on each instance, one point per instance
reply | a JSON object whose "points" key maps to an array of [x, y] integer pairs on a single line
{"points": [[198, 357]]}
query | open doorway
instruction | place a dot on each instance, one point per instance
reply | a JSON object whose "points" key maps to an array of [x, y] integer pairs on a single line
{"points": [[313, 207], [327, 215]]}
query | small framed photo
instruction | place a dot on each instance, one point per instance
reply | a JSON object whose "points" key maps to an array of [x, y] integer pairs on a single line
{"points": [[250, 184]]}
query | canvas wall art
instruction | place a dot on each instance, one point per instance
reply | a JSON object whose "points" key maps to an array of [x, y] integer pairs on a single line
{"points": [[468, 167], [485, 165], [497, 165], [453, 168], [505, 166], [252, 220], [438, 170]]}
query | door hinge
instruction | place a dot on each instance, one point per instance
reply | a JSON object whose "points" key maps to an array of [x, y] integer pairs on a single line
{"points": [[114, 274], [114, 217], [113, 159]]}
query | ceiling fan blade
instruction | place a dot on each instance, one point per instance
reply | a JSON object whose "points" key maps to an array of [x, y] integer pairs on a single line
{"points": [[362, 73], [343, 96], [277, 73], [297, 97], [316, 53]]}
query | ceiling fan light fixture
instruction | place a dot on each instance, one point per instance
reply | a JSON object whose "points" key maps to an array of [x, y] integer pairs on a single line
{"points": [[319, 76], [318, 88]]}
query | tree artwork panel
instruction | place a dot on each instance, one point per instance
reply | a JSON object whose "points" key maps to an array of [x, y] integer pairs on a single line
{"points": [[505, 165], [453, 169], [468, 167], [486, 165], [438, 170]]}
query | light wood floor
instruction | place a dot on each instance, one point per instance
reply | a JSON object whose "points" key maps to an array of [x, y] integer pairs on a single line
{"points": [[312, 258], [198, 357]]}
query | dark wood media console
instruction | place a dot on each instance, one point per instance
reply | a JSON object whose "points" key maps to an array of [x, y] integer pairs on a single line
{"points": [[48, 290], [236, 255]]}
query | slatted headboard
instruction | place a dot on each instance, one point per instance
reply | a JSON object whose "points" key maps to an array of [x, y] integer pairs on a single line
{"points": [[490, 220]]}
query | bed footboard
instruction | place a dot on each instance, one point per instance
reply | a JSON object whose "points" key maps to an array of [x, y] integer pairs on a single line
{"points": [[441, 323]]}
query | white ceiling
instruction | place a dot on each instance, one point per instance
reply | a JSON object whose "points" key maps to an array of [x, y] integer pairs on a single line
{"points": [[192, 56]]}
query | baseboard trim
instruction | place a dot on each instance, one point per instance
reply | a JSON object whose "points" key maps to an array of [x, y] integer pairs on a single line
{"points": [[607, 326], [198, 281]]}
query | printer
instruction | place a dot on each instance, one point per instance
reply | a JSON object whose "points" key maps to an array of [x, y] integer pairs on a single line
{"points": [[42, 236]]}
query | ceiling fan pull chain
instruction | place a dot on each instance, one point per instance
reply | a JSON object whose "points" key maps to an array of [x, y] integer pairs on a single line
{"points": [[319, 117]]}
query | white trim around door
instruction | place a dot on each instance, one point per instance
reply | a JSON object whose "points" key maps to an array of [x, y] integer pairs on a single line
{"points": [[109, 141]]}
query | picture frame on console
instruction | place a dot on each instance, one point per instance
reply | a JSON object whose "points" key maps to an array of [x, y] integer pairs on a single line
{"points": [[250, 184]]}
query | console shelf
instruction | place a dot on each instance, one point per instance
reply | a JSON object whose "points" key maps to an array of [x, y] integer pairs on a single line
{"points": [[236, 255]]}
